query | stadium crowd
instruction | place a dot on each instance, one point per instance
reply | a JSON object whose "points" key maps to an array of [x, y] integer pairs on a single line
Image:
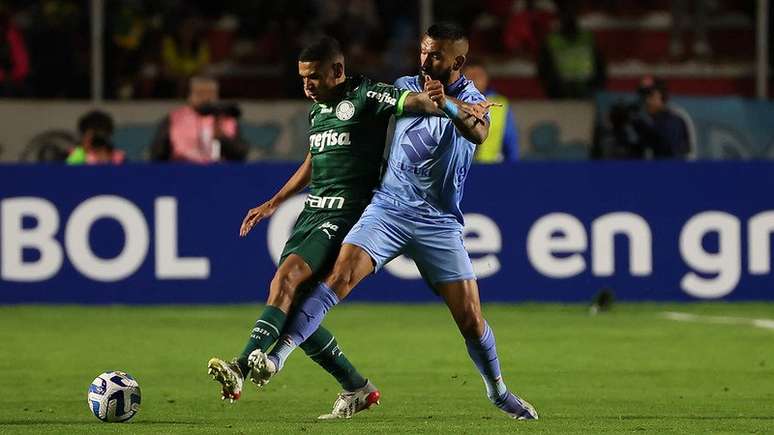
{"points": [[152, 49]]}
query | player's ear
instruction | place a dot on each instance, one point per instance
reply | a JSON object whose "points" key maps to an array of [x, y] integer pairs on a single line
{"points": [[459, 62], [338, 70]]}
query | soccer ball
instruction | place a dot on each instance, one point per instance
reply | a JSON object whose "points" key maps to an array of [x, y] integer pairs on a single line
{"points": [[114, 397]]}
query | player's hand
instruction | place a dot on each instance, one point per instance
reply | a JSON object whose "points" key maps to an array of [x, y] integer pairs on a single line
{"points": [[478, 110], [434, 89], [255, 215], [486, 104]]}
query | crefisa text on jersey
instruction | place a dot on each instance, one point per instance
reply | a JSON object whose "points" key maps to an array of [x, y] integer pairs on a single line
{"points": [[382, 97], [319, 141]]}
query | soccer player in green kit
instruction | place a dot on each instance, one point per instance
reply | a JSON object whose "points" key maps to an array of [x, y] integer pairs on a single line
{"points": [[348, 124]]}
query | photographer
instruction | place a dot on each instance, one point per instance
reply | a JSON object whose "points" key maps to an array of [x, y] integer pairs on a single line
{"points": [[660, 129], [647, 129], [203, 131], [95, 147]]}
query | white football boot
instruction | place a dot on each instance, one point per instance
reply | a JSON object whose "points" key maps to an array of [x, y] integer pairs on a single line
{"points": [[516, 407], [229, 376], [261, 367], [350, 403]]}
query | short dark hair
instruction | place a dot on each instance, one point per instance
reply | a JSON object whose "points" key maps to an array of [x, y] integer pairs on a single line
{"points": [[100, 141], [97, 120], [650, 84], [446, 30], [323, 50]]}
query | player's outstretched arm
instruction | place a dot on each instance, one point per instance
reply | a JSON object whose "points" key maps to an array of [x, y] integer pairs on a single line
{"points": [[295, 184], [420, 102], [469, 119]]}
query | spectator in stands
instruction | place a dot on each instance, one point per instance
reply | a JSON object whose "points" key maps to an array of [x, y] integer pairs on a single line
{"points": [[529, 23], [59, 49], [202, 131], [14, 59], [682, 21], [128, 29], [357, 23], [646, 129], [184, 53], [502, 144], [96, 129], [569, 64]]}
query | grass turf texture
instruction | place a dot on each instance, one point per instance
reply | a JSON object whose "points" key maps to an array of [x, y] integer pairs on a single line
{"points": [[623, 371]]}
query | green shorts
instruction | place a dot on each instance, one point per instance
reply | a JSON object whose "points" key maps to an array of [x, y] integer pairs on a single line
{"points": [[317, 237]]}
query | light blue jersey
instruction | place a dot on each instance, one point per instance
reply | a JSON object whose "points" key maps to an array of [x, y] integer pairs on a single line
{"points": [[429, 159], [416, 209]]}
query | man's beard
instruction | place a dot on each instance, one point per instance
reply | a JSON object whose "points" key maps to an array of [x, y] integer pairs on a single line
{"points": [[443, 77]]}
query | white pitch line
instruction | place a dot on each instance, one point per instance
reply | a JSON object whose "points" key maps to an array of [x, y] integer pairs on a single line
{"points": [[722, 320]]}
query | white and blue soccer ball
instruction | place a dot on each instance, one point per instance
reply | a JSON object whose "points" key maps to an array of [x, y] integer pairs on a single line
{"points": [[114, 397]]}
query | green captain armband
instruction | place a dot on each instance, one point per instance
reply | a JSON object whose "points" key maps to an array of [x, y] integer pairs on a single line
{"points": [[401, 102]]}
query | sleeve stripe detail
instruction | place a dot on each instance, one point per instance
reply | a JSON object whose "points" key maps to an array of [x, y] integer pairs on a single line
{"points": [[401, 101]]}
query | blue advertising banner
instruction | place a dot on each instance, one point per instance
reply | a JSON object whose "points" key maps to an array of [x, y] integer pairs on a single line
{"points": [[542, 231]]}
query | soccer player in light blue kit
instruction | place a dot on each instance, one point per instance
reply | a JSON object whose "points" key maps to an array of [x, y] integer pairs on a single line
{"points": [[416, 211]]}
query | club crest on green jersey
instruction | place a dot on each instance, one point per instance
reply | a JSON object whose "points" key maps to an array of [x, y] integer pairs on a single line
{"points": [[345, 110]]}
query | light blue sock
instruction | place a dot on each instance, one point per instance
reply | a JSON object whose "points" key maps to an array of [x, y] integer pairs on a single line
{"points": [[281, 351], [302, 323], [483, 352]]}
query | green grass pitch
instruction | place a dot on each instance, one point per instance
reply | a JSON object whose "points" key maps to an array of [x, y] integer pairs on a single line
{"points": [[630, 370]]}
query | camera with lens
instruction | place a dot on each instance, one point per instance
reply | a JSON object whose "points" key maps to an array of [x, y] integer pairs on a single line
{"points": [[623, 113], [617, 136]]}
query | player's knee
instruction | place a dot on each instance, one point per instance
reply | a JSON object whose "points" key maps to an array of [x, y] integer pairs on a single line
{"points": [[280, 298], [471, 325], [282, 290], [340, 279]]}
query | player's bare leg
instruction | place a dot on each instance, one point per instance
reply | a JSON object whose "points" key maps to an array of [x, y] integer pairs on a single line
{"points": [[464, 304], [462, 299], [289, 276], [358, 394], [322, 347], [352, 265], [231, 374]]}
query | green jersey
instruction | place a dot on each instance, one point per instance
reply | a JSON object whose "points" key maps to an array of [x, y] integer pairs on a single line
{"points": [[346, 140]]}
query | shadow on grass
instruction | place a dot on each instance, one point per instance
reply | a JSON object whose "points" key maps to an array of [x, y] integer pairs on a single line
{"points": [[40, 422], [668, 417], [73, 423]]}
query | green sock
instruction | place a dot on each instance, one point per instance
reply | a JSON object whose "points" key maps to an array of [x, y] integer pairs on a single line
{"points": [[264, 334], [322, 347]]}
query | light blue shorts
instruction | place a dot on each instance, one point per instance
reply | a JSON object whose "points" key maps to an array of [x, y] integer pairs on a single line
{"points": [[435, 246]]}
